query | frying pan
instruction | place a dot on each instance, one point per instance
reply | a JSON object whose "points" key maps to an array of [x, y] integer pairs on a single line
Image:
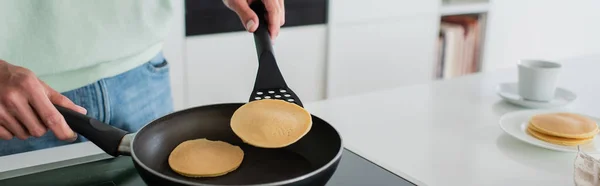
{"points": [[310, 161]]}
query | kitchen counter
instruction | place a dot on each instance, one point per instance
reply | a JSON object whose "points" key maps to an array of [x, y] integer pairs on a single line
{"points": [[442, 133], [446, 133]]}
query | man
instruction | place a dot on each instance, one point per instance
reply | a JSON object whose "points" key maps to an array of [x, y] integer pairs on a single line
{"points": [[97, 57]]}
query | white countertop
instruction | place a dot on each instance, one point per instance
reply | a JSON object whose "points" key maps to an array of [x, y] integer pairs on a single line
{"points": [[443, 133], [447, 134]]}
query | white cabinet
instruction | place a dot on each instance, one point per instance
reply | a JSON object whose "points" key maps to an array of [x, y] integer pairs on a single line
{"points": [[380, 47], [221, 68], [353, 11], [173, 50], [301, 54]]}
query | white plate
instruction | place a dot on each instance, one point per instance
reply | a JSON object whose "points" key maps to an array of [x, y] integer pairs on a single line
{"points": [[515, 124], [510, 93]]}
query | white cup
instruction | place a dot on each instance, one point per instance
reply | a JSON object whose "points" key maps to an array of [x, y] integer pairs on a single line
{"points": [[538, 79]]}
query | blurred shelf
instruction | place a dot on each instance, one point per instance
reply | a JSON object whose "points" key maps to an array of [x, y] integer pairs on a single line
{"points": [[464, 8]]}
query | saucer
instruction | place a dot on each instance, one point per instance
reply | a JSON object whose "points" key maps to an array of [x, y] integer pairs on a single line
{"points": [[510, 93]]}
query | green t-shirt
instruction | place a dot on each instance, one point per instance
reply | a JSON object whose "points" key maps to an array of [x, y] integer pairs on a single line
{"points": [[72, 43]]}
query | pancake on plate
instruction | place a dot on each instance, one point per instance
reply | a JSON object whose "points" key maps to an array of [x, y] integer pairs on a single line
{"points": [[205, 158], [563, 128], [567, 125], [271, 123], [558, 140]]}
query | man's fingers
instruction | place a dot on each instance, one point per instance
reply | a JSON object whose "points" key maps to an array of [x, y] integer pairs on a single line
{"points": [[245, 13], [273, 16], [282, 5], [53, 119], [4, 133], [29, 118], [12, 125], [50, 116], [59, 99], [20, 108], [274, 10]]}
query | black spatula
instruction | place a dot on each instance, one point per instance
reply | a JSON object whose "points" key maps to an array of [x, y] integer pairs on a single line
{"points": [[269, 83]]}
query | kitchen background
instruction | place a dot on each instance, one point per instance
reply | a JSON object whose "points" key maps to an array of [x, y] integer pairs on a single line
{"points": [[334, 48]]}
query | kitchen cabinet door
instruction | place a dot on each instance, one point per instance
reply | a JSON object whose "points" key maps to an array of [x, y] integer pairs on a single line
{"points": [[222, 67], [173, 50], [352, 11], [381, 54]]}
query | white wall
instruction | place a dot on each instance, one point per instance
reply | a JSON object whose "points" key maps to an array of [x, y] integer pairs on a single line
{"points": [[544, 29]]}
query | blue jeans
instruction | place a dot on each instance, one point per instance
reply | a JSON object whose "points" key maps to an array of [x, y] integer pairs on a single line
{"points": [[127, 101]]}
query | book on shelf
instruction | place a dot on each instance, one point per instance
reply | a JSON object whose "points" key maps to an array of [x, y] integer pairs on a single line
{"points": [[458, 46]]}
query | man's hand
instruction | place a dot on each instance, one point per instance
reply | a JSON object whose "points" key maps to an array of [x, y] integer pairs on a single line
{"points": [[275, 14], [26, 106]]}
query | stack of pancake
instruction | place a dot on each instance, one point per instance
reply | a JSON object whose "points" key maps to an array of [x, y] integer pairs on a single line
{"points": [[563, 128]]}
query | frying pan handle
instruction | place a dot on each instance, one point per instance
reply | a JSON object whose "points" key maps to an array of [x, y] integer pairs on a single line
{"points": [[107, 137]]}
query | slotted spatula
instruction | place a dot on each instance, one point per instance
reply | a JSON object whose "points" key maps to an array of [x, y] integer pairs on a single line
{"points": [[269, 83]]}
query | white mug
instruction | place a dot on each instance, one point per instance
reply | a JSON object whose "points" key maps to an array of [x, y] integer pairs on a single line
{"points": [[538, 79]]}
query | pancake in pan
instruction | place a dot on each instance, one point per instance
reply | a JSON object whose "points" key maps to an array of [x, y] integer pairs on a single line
{"points": [[205, 158], [270, 123]]}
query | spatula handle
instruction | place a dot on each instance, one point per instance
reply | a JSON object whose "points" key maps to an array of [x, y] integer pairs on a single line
{"points": [[262, 38], [268, 75]]}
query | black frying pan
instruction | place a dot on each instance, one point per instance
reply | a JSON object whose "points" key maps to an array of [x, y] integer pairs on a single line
{"points": [[310, 161]]}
